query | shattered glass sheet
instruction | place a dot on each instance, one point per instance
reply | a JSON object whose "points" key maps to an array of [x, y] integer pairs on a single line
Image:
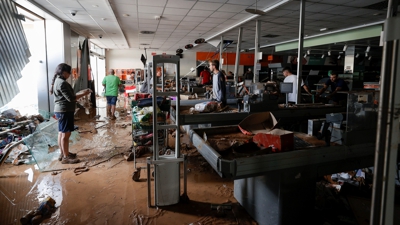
{"points": [[43, 144]]}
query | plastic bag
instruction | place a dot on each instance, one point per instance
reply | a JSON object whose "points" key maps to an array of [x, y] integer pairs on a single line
{"points": [[206, 107]]}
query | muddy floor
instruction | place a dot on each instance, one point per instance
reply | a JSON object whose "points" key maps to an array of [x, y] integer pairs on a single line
{"points": [[106, 194]]}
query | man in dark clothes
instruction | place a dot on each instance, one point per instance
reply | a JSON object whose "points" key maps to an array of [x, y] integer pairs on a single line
{"points": [[218, 80], [337, 84]]}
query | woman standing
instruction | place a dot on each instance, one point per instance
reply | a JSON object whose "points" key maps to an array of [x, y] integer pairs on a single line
{"points": [[64, 109]]}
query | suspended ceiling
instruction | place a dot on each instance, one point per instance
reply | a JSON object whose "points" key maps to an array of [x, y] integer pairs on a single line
{"points": [[183, 21]]}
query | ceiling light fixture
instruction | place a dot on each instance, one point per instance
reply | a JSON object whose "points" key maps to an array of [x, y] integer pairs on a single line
{"points": [[357, 55], [329, 53], [308, 52], [369, 58], [345, 48], [323, 56], [305, 55], [339, 57], [366, 54], [368, 48], [323, 29], [146, 32], [255, 11]]}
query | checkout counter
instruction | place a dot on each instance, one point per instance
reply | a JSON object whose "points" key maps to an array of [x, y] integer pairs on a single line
{"points": [[279, 188]]}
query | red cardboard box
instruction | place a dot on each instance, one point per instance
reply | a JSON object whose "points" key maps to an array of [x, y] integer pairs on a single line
{"points": [[262, 126], [279, 140]]}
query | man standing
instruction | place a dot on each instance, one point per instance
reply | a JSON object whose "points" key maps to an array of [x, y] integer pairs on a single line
{"points": [[291, 78], [219, 86], [337, 84], [249, 74], [111, 83], [205, 77]]}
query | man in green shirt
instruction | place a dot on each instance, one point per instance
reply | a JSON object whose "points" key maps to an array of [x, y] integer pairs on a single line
{"points": [[111, 83]]}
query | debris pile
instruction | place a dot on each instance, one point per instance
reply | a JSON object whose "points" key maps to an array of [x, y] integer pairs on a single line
{"points": [[14, 131], [13, 128]]}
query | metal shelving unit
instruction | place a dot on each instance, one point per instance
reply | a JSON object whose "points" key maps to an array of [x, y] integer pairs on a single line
{"points": [[166, 167]]}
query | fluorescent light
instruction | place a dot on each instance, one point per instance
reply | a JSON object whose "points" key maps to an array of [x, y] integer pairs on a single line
{"points": [[368, 48], [329, 53], [366, 54], [369, 58], [357, 55], [305, 55], [323, 55], [339, 57], [308, 51], [323, 29], [345, 48]]}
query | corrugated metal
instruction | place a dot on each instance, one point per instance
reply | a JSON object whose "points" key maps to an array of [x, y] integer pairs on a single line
{"points": [[14, 51]]}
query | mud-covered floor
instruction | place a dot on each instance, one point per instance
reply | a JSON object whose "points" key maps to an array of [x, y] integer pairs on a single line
{"points": [[106, 194]]}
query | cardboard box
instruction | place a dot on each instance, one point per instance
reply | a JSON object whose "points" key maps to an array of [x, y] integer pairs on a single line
{"points": [[262, 126], [257, 123], [279, 140]]}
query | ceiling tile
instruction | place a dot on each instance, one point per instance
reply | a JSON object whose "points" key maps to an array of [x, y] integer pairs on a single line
{"points": [[362, 3], [159, 3], [207, 6], [175, 11], [195, 12], [319, 7], [163, 22], [150, 9], [183, 4], [232, 8], [224, 15], [241, 16], [279, 12], [172, 17], [214, 21], [194, 19], [238, 2]]}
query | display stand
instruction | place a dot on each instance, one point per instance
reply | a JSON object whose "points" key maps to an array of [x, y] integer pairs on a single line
{"points": [[166, 167]]}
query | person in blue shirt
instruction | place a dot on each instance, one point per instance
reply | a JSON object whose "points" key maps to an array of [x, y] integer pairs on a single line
{"points": [[337, 84]]}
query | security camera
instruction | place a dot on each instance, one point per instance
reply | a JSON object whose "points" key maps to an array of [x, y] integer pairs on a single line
{"points": [[73, 12], [100, 36]]}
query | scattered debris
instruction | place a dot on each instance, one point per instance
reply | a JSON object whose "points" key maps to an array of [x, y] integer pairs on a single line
{"points": [[80, 170], [45, 209]]}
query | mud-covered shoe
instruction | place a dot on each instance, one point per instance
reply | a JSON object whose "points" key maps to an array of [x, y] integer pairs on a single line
{"points": [[68, 160], [71, 155]]}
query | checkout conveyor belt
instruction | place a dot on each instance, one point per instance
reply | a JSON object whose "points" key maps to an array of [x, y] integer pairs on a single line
{"points": [[231, 118], [322, 160]]}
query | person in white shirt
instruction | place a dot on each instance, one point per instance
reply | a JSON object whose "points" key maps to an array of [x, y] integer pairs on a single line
{"points": [[291, 78]]}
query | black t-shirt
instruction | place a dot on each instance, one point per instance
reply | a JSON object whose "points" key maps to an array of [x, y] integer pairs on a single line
{"points": [[338, 83]]}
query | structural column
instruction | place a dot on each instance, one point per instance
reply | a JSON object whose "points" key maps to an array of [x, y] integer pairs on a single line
{"points": [[237, 60], [221, 48], [300, 50], [257, 50], [387, 142]]}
